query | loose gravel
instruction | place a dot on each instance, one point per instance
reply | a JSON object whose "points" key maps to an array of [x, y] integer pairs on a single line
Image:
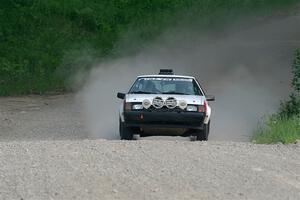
{"points": [[100, 169], [46, 153]]}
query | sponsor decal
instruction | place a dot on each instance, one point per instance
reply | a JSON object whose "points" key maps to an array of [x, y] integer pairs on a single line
{"points": [[167, 79]]}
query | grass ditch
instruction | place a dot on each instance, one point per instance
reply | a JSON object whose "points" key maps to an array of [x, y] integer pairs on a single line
{"points": [[277, 129]]}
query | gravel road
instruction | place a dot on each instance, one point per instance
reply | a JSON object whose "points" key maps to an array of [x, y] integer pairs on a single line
{"points": [[47, 153]]}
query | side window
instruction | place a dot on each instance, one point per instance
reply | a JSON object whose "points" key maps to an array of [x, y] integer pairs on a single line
{"points": [[196, 88], [138, 86]]}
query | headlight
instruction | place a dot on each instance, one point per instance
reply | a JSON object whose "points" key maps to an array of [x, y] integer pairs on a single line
{"points": [[137, 107], [191, 108]]}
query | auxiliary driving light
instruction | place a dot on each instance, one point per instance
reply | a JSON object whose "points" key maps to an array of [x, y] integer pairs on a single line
{"points": [[182, 104], [146, 103]]}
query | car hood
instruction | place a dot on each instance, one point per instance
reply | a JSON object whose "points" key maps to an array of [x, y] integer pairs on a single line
{"points": [[190, 99]]}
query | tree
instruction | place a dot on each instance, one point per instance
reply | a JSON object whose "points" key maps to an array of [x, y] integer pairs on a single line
{"points": [[296, 72], [291, 107]]}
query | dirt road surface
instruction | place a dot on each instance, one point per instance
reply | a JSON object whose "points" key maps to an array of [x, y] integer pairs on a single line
{"points": [[47, 153]]}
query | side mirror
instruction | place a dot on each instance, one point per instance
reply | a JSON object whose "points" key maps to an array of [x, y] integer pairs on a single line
{"points": [[210, 98], [121, 95]]}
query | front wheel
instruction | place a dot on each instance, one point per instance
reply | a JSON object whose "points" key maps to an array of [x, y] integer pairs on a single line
{"points": [[125, 133], [203, 134]]}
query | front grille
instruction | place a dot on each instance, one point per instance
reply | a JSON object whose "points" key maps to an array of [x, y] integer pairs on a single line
{"points": [[164, 109]]}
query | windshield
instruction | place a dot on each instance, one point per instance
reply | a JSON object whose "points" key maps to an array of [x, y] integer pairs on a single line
{"points": [[165, 85]]}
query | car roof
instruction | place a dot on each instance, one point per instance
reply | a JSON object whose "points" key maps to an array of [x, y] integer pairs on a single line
{"points": [[163, 75]]}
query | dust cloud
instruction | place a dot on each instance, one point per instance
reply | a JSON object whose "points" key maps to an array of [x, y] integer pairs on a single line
{"points": [[247, 68]]}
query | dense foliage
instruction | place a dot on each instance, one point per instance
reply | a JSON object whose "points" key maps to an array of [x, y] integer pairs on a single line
{"points": [[291, 107], [41, 41]]}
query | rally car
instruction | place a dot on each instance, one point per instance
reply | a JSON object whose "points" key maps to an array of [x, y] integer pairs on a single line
{"points": [[165, 104]]}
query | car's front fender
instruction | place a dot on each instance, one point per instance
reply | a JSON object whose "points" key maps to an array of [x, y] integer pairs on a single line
{"points": [[121, 112], [208, 114]]}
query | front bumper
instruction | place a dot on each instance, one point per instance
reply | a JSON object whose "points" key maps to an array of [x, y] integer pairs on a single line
{"points": [[157, 119]]}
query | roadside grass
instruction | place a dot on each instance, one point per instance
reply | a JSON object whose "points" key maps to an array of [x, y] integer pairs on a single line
{"points": [[278, 129], [36, 85]]}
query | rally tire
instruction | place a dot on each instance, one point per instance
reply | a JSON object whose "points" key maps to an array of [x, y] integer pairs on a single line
{"points": [[125, 132]]}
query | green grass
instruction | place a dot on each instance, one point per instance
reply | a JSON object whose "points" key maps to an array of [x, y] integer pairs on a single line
{"points": [[44, 42], [278, 129]]}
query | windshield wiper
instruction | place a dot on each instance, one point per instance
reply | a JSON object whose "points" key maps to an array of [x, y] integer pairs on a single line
{"points": [[175, 93], [141, 92]]}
